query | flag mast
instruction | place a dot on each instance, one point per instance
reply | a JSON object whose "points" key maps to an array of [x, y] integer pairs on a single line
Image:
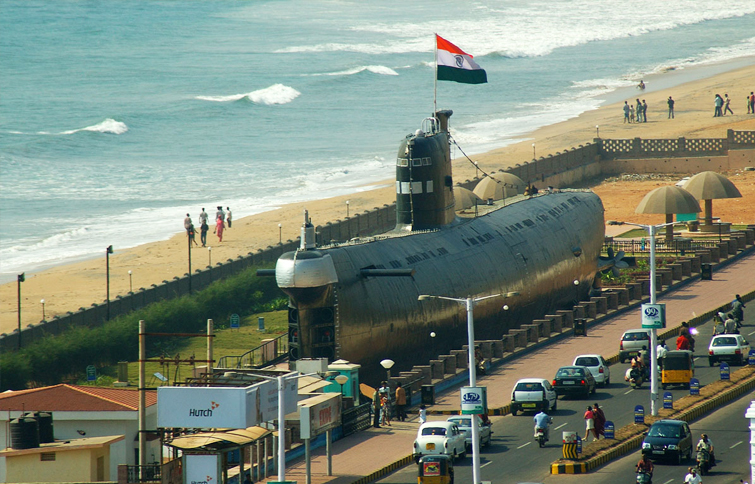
{"points": [[435, 94]]}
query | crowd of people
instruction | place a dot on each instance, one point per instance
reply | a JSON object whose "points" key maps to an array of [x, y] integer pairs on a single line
{"points": [[222, 217], [722, 106]]}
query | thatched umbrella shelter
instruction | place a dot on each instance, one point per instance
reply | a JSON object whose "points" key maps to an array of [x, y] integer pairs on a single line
{"points": [[465, 198], [668, 200], [504, 185], [710, 185]]}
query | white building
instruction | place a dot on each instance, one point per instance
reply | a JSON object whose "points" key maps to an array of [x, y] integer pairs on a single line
{"points": [[84, 411]]}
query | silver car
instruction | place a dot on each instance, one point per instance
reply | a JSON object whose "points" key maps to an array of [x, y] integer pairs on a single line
{"points": [[465, 425]]}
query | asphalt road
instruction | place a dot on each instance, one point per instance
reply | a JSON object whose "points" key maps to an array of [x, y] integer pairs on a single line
{"points": [[513, 456]]}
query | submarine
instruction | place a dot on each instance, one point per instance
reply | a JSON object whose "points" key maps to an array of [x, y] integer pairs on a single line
{"points": [[358, 301]]}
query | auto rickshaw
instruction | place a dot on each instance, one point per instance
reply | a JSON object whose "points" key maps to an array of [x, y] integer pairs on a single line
{"points": [[435, 469], [678, 368]]}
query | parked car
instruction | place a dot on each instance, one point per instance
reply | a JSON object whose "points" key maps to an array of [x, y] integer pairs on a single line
{"points": [[632, 341], [533, 394], [440, 437], [574, 380], [597, 366], [730, 347], [465, 425], [668, 440]]}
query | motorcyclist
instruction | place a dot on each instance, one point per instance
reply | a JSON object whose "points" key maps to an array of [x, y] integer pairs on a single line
{"points": [[706, 443], [730, 325], [737, 306], [543, 421], [479, 360], [645, 465]]}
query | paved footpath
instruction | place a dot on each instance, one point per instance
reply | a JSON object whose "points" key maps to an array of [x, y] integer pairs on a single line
{"points": [[366, 452]]}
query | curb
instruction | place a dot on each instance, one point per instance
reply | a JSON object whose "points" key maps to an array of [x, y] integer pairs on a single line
{"points": [[380, 473], [569, 468]]}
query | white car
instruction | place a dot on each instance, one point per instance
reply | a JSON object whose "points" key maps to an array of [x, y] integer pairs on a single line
{"points": [[465, 425], [440, 437], [533, 394], [597, 366], [732, 347]]}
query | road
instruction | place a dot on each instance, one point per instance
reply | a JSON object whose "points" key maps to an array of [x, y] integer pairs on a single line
{"points": [[514, 454]]}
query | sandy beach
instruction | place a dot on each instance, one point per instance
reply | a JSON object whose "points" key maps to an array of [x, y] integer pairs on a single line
{"points": [[71, 286]]}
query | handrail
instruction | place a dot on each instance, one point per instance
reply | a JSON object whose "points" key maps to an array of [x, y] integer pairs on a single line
{"points": [[262, 355]]}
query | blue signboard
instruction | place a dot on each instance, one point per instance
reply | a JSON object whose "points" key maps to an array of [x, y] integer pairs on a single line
{"points": [[694, 386], [751, 358], [668, 400], [639, 414], [579, 444], [608, 429], [235, 321], [261, 324], [724, 371], [91, 373]]}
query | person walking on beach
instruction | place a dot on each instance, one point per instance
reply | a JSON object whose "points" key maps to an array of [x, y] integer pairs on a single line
{"points": [[626, 111], [726, 105], [187, 223], [219, 226], [203, 217], [192, 235], [228, 216], [644, 111], [752, 102], [203, 233], [718, 102], [639, 111], [670, 108]]}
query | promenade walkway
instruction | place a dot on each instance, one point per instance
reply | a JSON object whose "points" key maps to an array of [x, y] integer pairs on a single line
{"points": [[370, 451]]}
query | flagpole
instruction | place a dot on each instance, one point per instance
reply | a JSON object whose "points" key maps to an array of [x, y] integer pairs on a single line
{"points": [[435, 93]]}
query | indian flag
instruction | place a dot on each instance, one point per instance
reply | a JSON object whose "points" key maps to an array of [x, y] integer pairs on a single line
{"points": [[453, 64]]}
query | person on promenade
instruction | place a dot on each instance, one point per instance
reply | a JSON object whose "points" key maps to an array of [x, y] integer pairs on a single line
{"points": [[385, 410], [718, 103], [376, 409], [670, 108], [600, 421], [203, 233], [228, 216], [638, 111], [644, 111], [626, 112], [726, 105], [219, 226], [400, 402], [589, 424], [203, 217], [422, 414]]}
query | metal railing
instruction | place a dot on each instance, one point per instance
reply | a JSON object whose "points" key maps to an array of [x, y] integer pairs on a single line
{"points": [[642, 246], [265, 354], [149, 473], [356, 419]]}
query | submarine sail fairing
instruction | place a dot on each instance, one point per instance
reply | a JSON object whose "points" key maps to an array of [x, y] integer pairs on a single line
{"points": [[359, 301]]}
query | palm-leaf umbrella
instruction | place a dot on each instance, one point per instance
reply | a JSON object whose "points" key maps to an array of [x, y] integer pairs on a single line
{"points": [[710, 185], [465, 198], [504, 185], [668, 200]]}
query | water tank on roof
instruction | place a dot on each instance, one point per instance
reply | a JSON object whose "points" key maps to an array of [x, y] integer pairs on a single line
{"points": [[46, 434], [24, 432]]}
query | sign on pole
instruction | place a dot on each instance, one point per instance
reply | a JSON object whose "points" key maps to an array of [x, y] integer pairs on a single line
{"points": [[474, 400], [235, 321], [668, 400], [319, 414], [653, 316], [91, 373], [639, 414], [694, 386], [608, 429], [724, 371], [203, 468]]}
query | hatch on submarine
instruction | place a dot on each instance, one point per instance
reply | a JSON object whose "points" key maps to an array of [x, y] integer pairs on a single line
{"points": [[359, 301]]}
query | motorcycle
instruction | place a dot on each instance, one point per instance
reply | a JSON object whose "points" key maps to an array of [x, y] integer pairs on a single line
{"points": [[636, 377], [644, 478], [703, 461], [540, 437]]}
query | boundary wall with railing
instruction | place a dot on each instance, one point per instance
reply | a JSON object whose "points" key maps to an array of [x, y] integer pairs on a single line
{"points": [[602, 157]]}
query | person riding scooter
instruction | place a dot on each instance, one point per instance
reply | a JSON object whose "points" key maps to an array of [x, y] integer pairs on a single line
{"points": [[543, 421], [706, 442], [645, 466]]}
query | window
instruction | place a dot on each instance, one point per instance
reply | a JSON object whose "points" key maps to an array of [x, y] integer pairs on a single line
{"points": [[405, 188], [402, 162], [416, 161], [429, 186], [417, 187], [398, 187], [433, 431], [47, 456], [587, 361], [427, 161]]}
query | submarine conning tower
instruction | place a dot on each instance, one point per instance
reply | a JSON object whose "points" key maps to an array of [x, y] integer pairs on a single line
{"points": [[424, 196]]}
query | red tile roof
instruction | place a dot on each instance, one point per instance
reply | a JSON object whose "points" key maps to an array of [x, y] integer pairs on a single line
{"points": [[75, 398]]}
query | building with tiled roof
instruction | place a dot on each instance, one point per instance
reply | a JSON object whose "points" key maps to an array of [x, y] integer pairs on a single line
{"points": [[89, 411]]}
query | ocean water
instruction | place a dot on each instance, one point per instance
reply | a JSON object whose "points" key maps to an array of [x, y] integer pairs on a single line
{"points": [[117, 118]]}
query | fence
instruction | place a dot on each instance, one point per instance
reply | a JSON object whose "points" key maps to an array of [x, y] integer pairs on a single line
{"points": [[642, 246], [382, 219], [269, 352], [356, 419]]}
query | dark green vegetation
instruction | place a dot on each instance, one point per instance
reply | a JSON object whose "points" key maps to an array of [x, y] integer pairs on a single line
{"points": [[64, 357]]}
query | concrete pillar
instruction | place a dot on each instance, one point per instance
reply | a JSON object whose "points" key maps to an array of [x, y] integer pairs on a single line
{"points": [[601, 304], [497, 347], [436, 368], [686, 266], [676, 271], [449, 364], [591, 309], [462, 359], [568, 314], [508, 343], [612, 300]]}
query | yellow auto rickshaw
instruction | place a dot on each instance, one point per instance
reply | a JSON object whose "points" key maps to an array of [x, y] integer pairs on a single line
{"points": [[677, 368], [436, 469]]}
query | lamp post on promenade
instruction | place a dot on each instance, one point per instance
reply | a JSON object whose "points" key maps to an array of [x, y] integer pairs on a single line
{"points": [[209, 256], [108, 251], [188, 240], [387, 364], [470, 303], [347, 209], [130, 283], [280, 234], [42, 302], [597, 131], [21, 278], [533, 152], [651, 229]]}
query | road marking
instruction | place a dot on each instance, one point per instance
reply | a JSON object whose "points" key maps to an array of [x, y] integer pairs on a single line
{"points": [[750, 334], [486, 464], [523, 446], [736, 444], [562, 425], [628, 392], [667, 482]]}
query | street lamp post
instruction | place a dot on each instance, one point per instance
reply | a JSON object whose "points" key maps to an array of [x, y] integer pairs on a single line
{"points": [[42, 301], [533, 152], [130, 283], [576, 291], [188, 240], [209, 257], [597, 131], [280, 234], [477, 170], [21, 278], [470, 303], [108, 251], [651, 229], [341, 380], [387, 364], [347, 209]]}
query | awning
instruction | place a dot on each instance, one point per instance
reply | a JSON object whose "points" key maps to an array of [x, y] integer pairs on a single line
{"points": [[220, 440], [310, 384]]}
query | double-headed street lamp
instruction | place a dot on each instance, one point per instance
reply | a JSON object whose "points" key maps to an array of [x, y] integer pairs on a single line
{"points": [[108, 251], [651, 229], [470, 303], [21, 278]]}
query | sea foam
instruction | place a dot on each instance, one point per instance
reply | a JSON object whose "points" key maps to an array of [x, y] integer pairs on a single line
{"points": [[275, 94]]}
